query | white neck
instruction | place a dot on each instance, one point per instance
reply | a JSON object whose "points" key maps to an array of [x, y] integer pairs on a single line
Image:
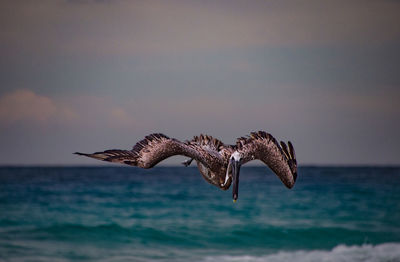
{"points": [[236, 156]]}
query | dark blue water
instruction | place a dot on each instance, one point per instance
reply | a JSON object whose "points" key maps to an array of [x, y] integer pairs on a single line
{"points": [[172, 214]]}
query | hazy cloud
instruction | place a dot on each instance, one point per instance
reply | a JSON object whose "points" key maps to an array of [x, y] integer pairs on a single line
{"points": [[26, 106]]}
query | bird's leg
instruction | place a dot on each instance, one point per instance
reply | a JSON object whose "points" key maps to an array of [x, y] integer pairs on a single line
{"points": [[187, 162]]}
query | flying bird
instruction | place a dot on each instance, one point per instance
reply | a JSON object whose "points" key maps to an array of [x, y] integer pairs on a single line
{"points": [[219, 164]]}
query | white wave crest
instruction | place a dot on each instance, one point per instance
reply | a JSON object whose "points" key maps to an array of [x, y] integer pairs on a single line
{"points": [[388, 252]]}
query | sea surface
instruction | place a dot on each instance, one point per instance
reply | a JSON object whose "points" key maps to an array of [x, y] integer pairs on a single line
{"points": [[172, 214]]}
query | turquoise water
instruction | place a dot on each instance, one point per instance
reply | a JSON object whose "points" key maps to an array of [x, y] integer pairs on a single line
{"points": [[172, 214]]}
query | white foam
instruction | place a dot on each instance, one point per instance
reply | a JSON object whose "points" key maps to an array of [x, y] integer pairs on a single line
{"points": [[388, 252]]}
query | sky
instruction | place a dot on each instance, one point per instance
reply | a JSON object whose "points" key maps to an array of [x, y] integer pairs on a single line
{"points": [[84, 75]]}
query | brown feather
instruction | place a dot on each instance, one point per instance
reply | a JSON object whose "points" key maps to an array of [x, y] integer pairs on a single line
{"points": [[156, 147], [285, 149], [264, 147], [291, 151]]}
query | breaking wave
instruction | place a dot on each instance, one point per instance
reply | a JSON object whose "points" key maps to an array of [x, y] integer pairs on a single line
{"points": [[387, 252]]}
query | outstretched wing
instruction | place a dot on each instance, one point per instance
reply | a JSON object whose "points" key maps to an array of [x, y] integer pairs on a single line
{"points": [[263, 146], [152, 150]]}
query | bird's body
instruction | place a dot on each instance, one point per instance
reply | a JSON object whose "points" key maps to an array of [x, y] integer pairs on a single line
{"points": [[219, 164], [216, 175]]}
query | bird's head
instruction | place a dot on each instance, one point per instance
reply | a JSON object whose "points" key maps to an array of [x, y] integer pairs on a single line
{"points": [[234, 168]]}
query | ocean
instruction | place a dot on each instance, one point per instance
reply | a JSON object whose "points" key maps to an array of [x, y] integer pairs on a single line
{"points": [[172, 214]]}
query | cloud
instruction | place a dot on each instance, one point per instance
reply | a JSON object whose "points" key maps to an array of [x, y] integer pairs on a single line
{"points": [[26, 108], [100, 112], [120, 116], [24, 105]]}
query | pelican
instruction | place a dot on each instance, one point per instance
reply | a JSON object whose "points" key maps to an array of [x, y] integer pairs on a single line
{"points": [[219, 164]]}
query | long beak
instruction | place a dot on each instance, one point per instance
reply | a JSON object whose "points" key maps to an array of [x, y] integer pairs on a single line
{"points": [[235, 173]]}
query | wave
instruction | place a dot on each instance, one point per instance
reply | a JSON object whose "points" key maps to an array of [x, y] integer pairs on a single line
{"points": [[192, 236], [387, 252], [107, 233]]}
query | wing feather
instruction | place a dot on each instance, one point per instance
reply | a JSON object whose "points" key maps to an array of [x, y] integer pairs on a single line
{"points": [[263, 146], [113, 155], [153, 149], [291, 152], [285, 149]]}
